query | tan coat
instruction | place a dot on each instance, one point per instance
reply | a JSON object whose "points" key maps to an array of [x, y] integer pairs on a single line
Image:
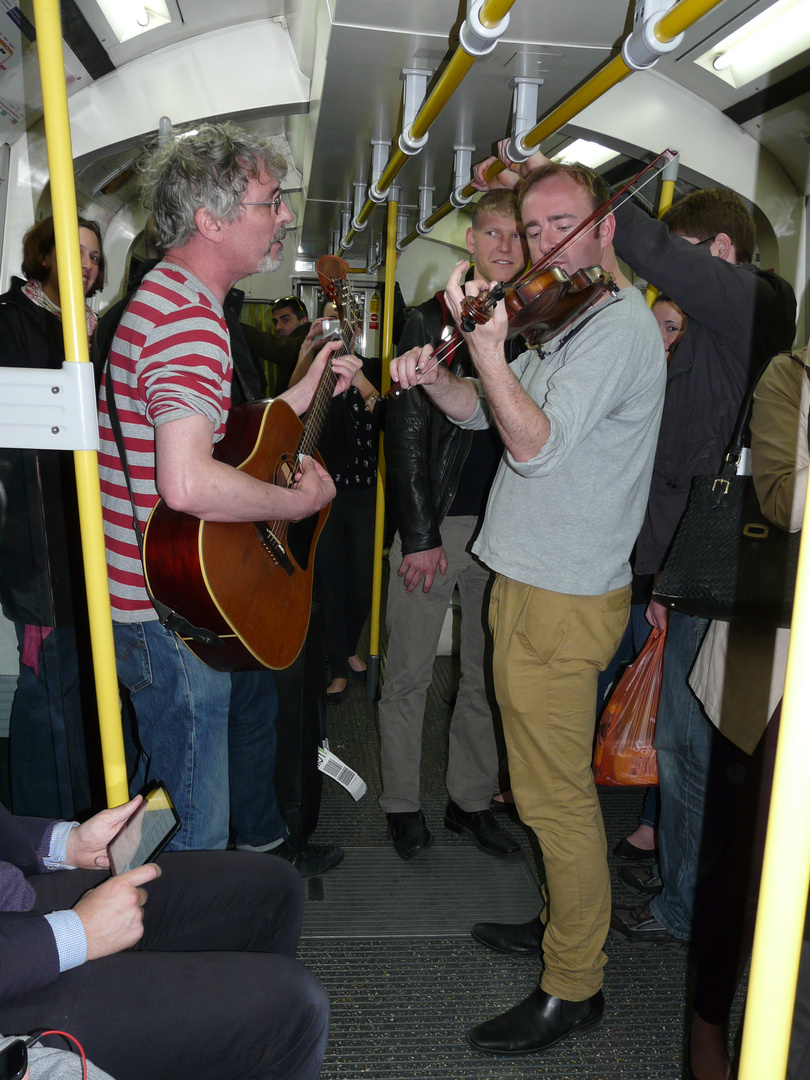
{"points": [[739, 674]]}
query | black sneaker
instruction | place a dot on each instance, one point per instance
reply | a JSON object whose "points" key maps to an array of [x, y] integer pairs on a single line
{"points": [[640, 927], [641, 880], [310, 859]]}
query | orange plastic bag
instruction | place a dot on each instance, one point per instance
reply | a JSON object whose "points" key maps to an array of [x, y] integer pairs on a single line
{"points": [[624, 752]]}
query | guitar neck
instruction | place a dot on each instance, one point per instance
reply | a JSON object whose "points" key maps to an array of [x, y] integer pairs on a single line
{"points": [[316, 414], [349, 329]]}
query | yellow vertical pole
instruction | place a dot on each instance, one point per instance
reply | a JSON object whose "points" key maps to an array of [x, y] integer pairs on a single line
{"points": [[68, 257], [664, 203], [387, 353], [786, 867]]}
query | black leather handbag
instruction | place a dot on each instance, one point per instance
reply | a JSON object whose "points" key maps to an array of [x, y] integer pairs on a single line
{"points": [[727, 561]]}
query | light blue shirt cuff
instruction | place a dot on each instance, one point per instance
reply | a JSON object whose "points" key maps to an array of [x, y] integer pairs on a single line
{"points": [[57, 852], [71, 940]]}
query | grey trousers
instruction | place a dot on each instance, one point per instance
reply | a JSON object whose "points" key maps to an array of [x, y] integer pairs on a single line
{"points": [[414, 624]]}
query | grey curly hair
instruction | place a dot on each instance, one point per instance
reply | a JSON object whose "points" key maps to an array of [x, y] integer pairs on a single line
{"points": [[211, 168]]}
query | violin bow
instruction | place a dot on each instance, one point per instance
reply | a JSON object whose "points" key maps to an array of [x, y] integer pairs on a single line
{"points": [[498, 290]]}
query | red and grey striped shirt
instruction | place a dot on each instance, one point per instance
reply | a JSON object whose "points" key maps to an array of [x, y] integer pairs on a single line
{"points": [[170, 358]]}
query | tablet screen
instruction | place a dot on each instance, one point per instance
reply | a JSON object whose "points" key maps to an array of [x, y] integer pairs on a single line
{"points": [[144, 835]]}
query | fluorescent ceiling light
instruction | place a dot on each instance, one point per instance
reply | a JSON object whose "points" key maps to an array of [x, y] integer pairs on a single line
{"points": [[773, 37], [587, 153], [128, 18]]}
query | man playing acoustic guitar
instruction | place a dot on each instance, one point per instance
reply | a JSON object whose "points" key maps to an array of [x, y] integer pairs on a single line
{"points": [[219, 215]]}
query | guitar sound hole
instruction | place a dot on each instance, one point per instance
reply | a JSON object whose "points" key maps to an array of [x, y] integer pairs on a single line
{"points": [[285, 471]]}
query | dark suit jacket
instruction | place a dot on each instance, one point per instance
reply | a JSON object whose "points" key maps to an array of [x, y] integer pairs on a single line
{"points": [[28, 954]]}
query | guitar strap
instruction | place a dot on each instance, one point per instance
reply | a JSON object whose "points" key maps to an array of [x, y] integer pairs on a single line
{"points": [[167, 617]]}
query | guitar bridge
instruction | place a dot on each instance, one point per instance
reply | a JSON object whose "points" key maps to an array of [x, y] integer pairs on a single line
{"points": [[273, 546]]}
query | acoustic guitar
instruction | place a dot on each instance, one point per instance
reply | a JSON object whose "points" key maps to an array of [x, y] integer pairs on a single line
{"points": [[250, 583]]}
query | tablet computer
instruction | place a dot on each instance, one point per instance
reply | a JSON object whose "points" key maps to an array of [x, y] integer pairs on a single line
{"points": [[145, 833]]}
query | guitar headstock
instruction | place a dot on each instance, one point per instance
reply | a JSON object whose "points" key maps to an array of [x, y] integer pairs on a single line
{"points": [[333, 278]]}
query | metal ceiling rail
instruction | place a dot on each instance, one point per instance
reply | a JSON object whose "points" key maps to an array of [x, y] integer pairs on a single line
{"points": [[68, 257], [491, 13], [666, 30]]}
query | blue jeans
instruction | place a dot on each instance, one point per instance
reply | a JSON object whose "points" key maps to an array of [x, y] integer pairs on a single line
{"points": [[255, 817], [683, 743], [181, 709], [47, 755]]}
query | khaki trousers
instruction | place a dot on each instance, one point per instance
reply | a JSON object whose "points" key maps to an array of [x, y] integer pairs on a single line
{"points": [[549, 650], [415, 624]]}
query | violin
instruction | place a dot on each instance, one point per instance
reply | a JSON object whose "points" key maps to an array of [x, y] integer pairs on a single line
{"points": [[546, 299], [541, 303]]}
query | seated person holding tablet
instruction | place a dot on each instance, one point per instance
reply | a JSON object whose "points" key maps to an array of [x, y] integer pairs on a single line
{"points": [[184, 967]]}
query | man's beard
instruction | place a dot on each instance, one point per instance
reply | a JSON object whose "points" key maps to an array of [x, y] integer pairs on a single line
{"points": [[270, 262]]}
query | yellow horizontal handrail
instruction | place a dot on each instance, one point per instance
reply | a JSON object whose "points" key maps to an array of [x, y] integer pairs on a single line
{"points": [[491, 14], [674, 22]]}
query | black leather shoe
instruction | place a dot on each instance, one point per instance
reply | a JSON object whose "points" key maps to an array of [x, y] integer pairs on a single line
{"points": [[517, 939], [310, 860], [536, 1023], [409, 833], [483, 828]]}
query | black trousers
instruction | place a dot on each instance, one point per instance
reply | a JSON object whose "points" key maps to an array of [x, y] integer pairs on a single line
{"points": [[726, 899], [344, 563], [211, 992]]}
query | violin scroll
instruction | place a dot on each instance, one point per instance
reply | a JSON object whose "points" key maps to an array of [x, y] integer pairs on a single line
{"points": [[476, 310]]}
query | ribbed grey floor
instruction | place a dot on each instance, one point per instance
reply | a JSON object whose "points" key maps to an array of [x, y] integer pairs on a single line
{"points": [[390, 940]]}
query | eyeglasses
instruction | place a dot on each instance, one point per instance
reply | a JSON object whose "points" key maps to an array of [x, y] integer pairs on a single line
{"points": [[708, 240], [275, 203]]}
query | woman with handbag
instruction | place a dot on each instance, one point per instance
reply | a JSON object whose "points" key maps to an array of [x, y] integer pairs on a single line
{"points": [[739, 677]]}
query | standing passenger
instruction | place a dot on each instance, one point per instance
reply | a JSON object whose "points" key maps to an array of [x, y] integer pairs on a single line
{"points": [[438, 480], [579, 420], [219, 215], [41, 574], [700, 254]]}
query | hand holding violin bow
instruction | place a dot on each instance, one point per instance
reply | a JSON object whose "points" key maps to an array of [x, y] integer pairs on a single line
{"points": [[512, 173]]}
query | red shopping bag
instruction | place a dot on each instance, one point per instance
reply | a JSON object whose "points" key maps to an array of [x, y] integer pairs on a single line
{"points": [[624, 752]]}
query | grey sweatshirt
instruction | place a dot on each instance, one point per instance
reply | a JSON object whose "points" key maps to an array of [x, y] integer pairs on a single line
{"points": [[567, 519]]}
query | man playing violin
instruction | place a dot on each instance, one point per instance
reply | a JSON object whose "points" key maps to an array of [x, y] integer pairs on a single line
{"points": [[579, 420]]}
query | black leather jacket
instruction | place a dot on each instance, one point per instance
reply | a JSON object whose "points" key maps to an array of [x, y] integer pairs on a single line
{"points": [[40, 548], [424, 451]]}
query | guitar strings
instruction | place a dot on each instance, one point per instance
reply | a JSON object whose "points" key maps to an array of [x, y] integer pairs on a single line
{"points": [[316, 413]]}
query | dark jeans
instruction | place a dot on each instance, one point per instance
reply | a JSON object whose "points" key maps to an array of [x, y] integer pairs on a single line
{"points": [[726, 902], [212, 991], [344, 561], [46, 747], [683, 744], [255, 817]]}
